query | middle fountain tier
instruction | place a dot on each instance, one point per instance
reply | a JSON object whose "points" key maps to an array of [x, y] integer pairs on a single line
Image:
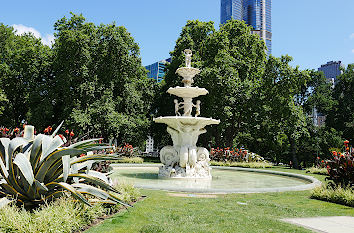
{"points": [[184, 159]]}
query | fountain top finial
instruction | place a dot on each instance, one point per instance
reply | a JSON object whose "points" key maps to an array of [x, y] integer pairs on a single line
{"points": [[187, 72], [188, 53]]}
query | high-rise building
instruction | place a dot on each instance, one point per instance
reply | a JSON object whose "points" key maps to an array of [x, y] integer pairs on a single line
{"points": [[256, 13], [331, 70], [157, 70], [318, 118], [149, 145]]}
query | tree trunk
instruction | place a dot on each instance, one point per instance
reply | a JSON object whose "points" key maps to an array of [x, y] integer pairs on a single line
{"points": [[293, 152]]}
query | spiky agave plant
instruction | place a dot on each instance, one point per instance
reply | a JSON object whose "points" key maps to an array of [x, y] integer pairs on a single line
{"points": [[36, 169]]}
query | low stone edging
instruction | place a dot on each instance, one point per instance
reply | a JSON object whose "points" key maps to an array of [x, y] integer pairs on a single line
{"points": [[313, 182]]}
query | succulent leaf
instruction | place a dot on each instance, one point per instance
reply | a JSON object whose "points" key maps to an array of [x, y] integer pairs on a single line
{"points": [[66, 166], [57, 129], [25, 167], [37, 170]]}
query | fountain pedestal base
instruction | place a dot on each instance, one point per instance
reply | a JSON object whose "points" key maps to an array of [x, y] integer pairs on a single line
{"points": [[172, 168]]}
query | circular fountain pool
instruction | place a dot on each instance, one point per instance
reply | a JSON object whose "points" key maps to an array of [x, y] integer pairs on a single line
{"points": [[225, 180]]}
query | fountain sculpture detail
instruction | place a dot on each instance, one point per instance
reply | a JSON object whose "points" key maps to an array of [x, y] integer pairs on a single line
{"points": [[184, 159]]}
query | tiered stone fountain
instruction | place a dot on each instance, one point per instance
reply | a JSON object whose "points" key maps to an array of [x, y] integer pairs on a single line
{"points": [[184, 159]]}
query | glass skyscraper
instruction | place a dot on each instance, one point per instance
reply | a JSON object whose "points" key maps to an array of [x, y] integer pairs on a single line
{"points": [[256, 13], [331, 70], [157, 70]]}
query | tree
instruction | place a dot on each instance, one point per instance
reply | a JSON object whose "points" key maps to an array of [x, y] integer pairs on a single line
{"points": [[100, 84], [24, 70], [281, 120], [341, 116], [321, 96], [231, 62]]}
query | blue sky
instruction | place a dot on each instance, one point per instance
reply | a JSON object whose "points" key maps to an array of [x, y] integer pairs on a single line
{"points": [[311, 31]]}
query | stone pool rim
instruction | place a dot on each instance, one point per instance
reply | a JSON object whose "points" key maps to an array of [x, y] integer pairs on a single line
{"points": [[313, 181]]}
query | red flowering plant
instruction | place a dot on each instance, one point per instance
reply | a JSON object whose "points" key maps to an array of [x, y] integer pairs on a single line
{"points": [[341, 167], [10, 133], [127, 150], [69, 138], [233, 155], [320, 163]]}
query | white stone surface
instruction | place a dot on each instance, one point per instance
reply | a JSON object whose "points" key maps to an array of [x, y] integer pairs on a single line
{"points": [[334, 224], [184, 159], [187, 92], [188, 74], [179, 121]]}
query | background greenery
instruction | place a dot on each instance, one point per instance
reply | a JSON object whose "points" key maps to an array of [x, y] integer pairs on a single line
{"points": [[92, 78]]}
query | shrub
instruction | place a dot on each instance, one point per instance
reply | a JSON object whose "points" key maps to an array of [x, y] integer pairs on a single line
{"points": [[341, 167], [234, 155], [130, 160], [62, 215], [242, 164], [344, 196], [317, 170], [37, 169], [128, 192]]}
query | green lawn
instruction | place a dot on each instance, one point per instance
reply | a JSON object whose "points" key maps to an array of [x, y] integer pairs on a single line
{"points": [[160, 212]]}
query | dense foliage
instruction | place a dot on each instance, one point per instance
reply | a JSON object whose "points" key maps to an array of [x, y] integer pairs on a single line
{"points": [[264, 104], [92, 78], [25, 69], [341, 116], [231, 60]]}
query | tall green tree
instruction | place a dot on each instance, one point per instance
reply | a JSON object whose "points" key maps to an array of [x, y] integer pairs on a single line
{"points": [[24, 71], [281, 120], [341, 116], [231, 60], [100, 84]]}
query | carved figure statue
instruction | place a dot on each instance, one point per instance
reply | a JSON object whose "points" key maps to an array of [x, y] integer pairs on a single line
{"points": [[168, 156], [187, 107], [184, 140], [188, 54], [197, 108], [177, 108]]}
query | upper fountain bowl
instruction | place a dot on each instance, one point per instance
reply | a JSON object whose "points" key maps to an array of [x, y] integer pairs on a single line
{"points": [[176, 121], [187, 92], [187, 72]]}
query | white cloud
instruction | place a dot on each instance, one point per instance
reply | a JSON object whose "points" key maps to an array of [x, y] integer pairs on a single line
{"points": [[20, 29], [48, 39], [351, 36], [352, 50]]}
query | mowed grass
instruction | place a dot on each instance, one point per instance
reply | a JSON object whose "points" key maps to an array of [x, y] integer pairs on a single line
{"points": [[261, 212]]}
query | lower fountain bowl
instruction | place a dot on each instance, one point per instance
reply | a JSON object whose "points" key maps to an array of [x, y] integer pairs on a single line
{"points": [[224, 180]]}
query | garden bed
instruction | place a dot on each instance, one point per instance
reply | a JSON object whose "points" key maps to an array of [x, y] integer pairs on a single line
{"points": [[63, 215], [316, 170], [129, 160], [343, 196], [242, 164]]}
